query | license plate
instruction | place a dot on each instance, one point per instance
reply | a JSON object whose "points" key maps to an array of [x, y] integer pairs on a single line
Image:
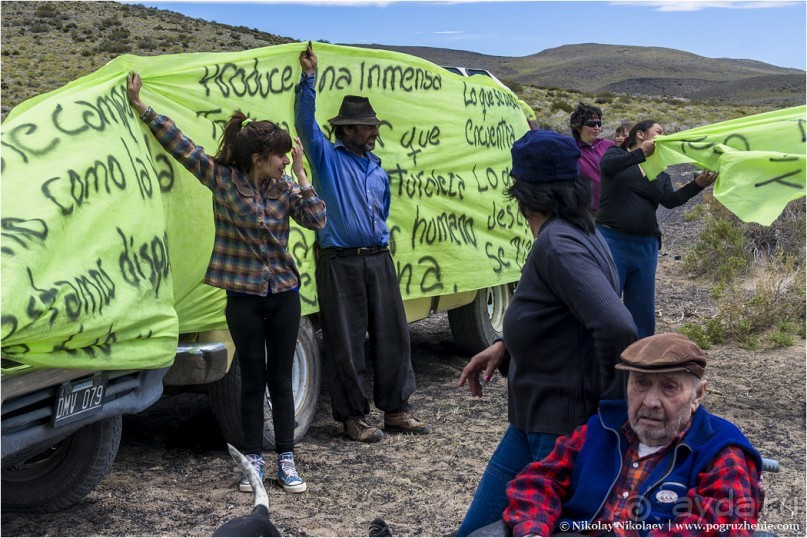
{"points": [[79, 399]]}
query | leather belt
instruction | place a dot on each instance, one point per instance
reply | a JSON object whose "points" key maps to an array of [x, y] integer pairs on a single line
{"points": [[354, 251]]}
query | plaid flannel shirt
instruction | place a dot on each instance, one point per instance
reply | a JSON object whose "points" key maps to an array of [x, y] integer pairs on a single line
{"points": [[537, 494], [252, 225]]}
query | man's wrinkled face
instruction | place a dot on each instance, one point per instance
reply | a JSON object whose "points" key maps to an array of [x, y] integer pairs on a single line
{"points": [[360, 138], [660, 405]]}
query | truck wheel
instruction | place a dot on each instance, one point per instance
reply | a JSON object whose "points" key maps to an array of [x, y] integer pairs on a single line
{"points": [[476, 325], [65, 473], [225, 394]]}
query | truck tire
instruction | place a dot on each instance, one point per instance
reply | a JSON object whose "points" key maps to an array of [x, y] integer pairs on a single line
{"points": [[476, 325], [225, 394], [65, 473]]}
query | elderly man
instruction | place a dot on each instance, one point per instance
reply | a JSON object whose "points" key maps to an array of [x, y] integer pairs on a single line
{"points": [[356, 280], [658, 464]]}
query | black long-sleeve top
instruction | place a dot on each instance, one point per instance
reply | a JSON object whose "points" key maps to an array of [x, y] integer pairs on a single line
{"points": [[564, 330], [628, 200]]}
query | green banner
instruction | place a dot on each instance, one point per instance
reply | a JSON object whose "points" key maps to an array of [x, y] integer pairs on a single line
{"points": [[105, 238], [761, 160]]}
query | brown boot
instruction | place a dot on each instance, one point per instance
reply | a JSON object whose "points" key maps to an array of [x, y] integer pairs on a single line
{"points": [[359, 430], [404, 421]]}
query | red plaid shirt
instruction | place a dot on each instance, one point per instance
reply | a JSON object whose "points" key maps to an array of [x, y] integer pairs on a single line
{"points": [[537, 494], [252, 225]]}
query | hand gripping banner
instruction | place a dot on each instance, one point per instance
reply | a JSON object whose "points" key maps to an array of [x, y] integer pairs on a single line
{"points": [[105, 238]]}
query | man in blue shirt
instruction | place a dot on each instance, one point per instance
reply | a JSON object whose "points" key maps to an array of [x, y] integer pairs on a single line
{"points": [[356, 279]]}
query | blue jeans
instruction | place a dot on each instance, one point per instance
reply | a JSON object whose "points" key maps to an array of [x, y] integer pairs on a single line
{"points": [[636, 258], [515, 451]]}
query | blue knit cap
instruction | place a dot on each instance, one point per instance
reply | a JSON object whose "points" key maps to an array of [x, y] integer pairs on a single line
{"points": [[542, 156]]}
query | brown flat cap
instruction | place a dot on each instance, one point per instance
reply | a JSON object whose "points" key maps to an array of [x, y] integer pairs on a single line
{"points": [[668, 352]]}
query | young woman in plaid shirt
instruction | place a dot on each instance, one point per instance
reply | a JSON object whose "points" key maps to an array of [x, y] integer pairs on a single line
{"points": [[253, 199]]}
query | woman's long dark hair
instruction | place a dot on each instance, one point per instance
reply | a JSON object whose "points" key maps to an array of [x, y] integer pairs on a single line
{"points": [[240, 142], [643, 126], [568, 200]]}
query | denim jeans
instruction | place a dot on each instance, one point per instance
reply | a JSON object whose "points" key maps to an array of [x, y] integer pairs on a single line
{"points": [[515, 451], [636, 258]]}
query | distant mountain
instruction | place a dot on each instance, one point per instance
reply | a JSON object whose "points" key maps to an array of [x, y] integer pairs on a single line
{"points": [[652, 71], [44, 45]]}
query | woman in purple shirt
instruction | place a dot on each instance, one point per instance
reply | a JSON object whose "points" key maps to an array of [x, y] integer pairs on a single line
{"points": [[586, 125]]}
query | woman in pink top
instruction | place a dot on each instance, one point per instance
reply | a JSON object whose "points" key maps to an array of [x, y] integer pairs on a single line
{"points": [[586, 125]]}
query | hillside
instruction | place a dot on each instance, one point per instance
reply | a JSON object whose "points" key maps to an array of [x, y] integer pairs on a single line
{"points": [[651, 71], [44, 45]]}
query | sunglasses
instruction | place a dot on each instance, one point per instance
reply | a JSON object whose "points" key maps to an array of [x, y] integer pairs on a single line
{"points": [[593, 123]]}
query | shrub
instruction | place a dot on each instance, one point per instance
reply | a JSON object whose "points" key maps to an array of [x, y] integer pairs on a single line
{"points": [[46, 10], [115, 47], [111, 22], [782, 336], [776, 303], [697, 334], [560, 105], [119, 34], [706, 334], [786, 234], [517, 87], [772, 309], [719, 252], [146, 43]]}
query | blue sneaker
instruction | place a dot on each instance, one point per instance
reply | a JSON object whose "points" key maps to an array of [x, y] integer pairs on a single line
{"points": [[287, 474], [257, 461]]}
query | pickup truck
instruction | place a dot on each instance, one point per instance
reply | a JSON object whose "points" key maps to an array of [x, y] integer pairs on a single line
{"points": [[99, 320]]}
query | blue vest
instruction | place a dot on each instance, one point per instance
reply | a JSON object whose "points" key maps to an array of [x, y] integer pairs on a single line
{"points": [[663, 496]]}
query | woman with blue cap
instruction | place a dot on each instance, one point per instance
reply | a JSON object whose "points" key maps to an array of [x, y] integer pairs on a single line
{"points": [[565, 327]]}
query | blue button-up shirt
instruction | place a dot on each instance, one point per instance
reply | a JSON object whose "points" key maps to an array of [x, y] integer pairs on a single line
{"points": [[356, 190]]}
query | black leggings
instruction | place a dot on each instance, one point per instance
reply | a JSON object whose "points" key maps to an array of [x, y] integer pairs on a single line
{"points": [[264, 330]]}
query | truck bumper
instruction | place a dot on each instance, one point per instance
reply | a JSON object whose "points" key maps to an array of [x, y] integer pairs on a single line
{"points": [[27, 420]]}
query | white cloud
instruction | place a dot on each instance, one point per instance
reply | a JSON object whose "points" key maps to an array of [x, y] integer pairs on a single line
{"points": [[698, 5]]}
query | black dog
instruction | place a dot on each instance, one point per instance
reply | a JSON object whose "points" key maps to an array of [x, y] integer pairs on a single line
{"points": [[257, 523]]}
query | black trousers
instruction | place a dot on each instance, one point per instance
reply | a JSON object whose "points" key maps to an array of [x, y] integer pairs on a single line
{"points": [[264, 331], [357, 295]]}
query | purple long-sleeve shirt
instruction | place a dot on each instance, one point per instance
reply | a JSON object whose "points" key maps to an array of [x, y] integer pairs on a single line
{"points": [[590, 155]]}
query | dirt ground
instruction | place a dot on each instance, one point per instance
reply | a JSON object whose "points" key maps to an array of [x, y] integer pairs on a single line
{"points": [[173, 476]]}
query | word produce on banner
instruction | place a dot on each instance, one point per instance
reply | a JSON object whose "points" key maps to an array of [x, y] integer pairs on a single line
{"points": [[760, 158], [105, 238]]}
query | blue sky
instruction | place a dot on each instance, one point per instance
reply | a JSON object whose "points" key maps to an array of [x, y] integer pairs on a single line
{"points": [[768, 31]]}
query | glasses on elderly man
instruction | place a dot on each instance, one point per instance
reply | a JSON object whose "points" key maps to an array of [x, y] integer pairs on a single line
{"points": [[593, 123]]}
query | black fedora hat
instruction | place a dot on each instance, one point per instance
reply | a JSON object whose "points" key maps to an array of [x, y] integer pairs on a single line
{"points": [[355, 110]]}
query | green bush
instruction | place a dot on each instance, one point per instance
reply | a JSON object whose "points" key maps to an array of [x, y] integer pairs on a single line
{"points": [[696, 213], [705, 335], [111, 22], [697, 334], [114, 46], [769, 306], [719, 252], [146, 43], [560, 105], [46, 10], [782, 336], [515, 86], [119, 34]]}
